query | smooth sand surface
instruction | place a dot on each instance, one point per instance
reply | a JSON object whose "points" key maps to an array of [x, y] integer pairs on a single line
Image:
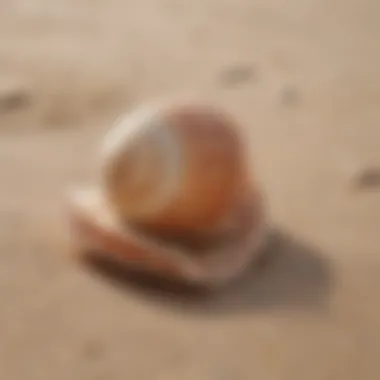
{"points": [[303, 78]]}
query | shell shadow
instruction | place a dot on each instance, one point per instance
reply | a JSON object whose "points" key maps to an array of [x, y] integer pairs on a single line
{"points": [[289, 274]]}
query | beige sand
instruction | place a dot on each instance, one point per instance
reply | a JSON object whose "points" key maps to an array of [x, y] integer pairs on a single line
{"points": [[304, 78]]}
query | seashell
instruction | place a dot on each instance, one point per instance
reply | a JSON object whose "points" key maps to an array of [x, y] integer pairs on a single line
{"points": [[174, 167], [221, 258]]}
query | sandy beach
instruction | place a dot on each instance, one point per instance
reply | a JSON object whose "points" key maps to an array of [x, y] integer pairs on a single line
{"points": [[303, 78]]}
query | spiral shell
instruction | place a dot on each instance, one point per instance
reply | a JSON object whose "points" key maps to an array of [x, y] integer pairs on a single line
{"points": [[177, 167]]}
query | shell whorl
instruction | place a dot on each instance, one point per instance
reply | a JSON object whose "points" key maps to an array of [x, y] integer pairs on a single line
{"points": [[173, 166]]}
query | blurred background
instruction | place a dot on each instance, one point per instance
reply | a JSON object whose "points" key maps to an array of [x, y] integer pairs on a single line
{"points": [[303, 78]]}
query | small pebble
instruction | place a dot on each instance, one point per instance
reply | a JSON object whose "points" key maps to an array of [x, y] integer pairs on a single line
{"points": [[235, 75], [368, 178], [13, 99]]}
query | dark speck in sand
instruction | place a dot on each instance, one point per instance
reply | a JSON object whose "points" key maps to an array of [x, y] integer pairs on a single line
{"points": [[236, 75]]}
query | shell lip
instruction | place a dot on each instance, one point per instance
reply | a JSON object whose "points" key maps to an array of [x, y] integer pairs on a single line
{"points": [[96, 228]]}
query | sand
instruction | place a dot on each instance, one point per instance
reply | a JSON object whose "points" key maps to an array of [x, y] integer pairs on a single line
{"points": [[303, 78]]}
